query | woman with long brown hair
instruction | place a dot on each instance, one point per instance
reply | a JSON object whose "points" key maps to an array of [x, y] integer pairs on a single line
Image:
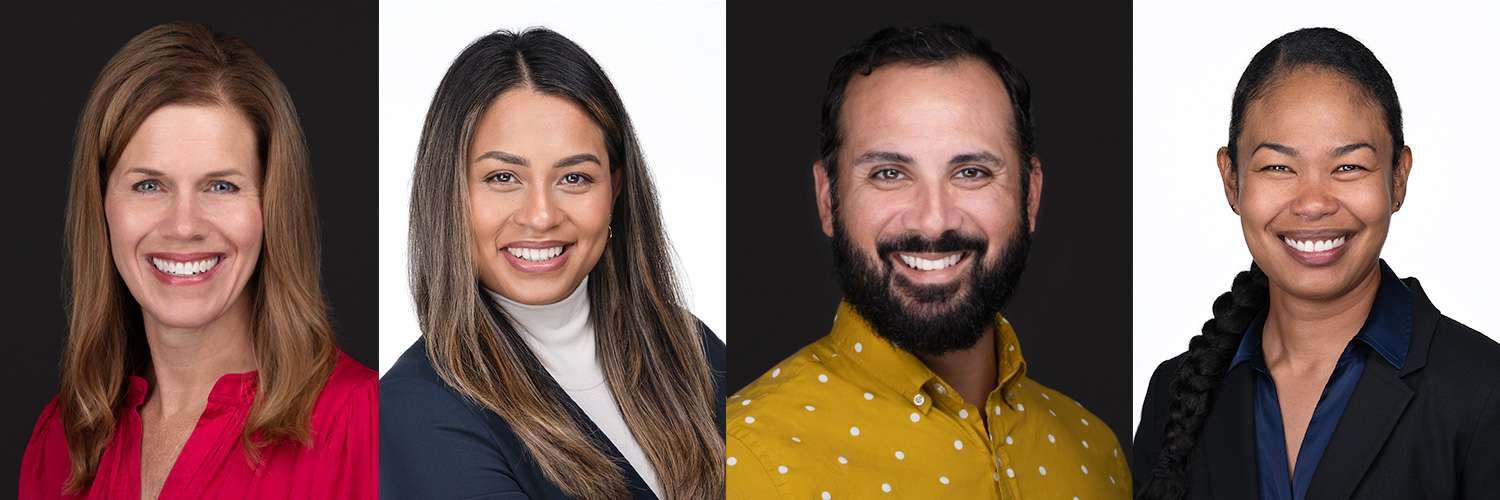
{"points": [[557, 359], [200, 360]]}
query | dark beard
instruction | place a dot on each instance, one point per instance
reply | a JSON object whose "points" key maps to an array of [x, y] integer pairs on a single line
{"points": [[933, 319]]}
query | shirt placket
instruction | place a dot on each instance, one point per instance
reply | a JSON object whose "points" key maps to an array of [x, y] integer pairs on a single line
{"points": [[1003, 420], [973, 431]]}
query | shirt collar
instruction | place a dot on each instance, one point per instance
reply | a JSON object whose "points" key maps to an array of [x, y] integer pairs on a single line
{"points": [[232, 389], [903, 372], [1387, 330]]}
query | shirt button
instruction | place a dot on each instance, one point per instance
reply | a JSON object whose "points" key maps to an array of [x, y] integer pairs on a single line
{"points": [[919, 399]]}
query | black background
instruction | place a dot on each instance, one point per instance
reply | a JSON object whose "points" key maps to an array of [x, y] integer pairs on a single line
{"points": [[325, 55], [1072, 309]]}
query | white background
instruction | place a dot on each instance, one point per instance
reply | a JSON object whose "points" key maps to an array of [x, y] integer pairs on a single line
{"points": [[666, 59], [1188, 56]]}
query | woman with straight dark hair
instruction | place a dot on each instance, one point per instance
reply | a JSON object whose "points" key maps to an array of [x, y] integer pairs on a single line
{"points": [[200, 361], [1321, 374], [557, 359]]}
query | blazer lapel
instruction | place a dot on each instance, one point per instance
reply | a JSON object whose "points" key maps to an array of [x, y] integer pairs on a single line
{"points": [[1376, 406], [1373, 411], [1228, 441], [638, 488]]}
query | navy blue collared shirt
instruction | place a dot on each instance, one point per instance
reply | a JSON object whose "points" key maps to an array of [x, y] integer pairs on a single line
{"points": [[1387, 332]]}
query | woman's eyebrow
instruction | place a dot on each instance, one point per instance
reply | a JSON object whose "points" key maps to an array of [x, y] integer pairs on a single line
{"points": [[502, 156], [1279, 148], [1349, 148], [577, 159]]}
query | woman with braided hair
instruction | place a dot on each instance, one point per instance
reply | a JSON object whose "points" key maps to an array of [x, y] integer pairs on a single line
{"points": [[1321, 374]]}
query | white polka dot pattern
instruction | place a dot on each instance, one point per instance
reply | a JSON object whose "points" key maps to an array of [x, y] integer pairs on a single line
{"points": [[877, 419]]}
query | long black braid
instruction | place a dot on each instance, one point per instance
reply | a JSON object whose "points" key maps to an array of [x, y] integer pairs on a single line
{"points": [[1193, 386], [1198, 377]]}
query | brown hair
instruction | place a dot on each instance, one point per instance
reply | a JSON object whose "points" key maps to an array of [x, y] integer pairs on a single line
{"points": [[650, 347], [186, 63]]}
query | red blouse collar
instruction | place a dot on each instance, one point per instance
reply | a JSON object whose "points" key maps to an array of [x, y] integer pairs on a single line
{"points": [[234, 389]]}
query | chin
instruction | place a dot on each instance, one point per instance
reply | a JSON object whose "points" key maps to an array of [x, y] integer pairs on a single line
{"points": [[534, 291], [184, 317]]}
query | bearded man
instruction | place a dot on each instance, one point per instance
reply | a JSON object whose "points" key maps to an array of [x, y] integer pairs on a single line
{"points": [[928, 186]]}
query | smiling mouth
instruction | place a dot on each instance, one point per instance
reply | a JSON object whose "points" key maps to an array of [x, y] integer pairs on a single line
{"points": [[536, 254], [923, 264], [186, 269], [1313, 245]]}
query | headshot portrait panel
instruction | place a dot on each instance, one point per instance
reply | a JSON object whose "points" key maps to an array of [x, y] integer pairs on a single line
{"points": [[277, 253], [552, 186], [1313, 250], [937, 196], [668, 64]]}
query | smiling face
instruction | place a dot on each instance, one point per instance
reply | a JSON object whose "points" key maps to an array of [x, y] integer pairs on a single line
{"points": [[184, 214], [540, 196], [1314, 186], [929, 228]]}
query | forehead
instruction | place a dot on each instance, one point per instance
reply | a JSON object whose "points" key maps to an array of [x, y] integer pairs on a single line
{"points": [[939, 108], [526, 122], [179, 136], [1315, 107]]}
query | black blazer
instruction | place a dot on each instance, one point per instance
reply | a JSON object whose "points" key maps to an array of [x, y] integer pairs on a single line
{"points": [[435, 444], [1429, 430]]}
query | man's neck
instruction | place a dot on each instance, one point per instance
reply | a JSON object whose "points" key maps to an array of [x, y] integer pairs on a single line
{"points": [[973, 372]]}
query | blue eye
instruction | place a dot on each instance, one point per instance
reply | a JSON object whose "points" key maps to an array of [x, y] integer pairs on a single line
{"points": [[146, 186], [222, 187]]}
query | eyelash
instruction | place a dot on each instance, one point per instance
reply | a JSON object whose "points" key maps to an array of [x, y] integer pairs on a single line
{"points": [[507, 178], [878, 174], [155, 186], [979, 173]]}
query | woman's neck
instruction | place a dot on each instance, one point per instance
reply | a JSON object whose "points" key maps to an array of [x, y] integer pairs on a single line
{"points": [[1304, 333], [186, 362]]}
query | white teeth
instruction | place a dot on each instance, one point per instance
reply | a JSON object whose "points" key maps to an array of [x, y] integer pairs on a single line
{"points": [[184, 269], [535, 254], [1314, 245], [921, 264]]}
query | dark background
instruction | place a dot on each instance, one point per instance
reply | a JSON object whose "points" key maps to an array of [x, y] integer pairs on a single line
{"points": [[1072, 308], [325, 54]]}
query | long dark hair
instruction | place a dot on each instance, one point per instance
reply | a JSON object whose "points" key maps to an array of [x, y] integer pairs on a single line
{"points": [[648, 344], [1209, 353]]}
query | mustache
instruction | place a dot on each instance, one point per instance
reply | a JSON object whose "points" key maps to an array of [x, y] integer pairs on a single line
{"points": [[949, 241]]}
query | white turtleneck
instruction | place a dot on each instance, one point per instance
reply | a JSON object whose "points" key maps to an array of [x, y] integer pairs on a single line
{"points": [[562, 338]]}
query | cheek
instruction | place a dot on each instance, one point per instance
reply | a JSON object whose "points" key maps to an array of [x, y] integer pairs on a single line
{"points": [[864, 213], [127, 224], [1260, 202], [487, 215], [591, 211], [1369, 200], [242, 222]]}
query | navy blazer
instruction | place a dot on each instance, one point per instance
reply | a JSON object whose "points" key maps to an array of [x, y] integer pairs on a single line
{"points": [[436, 444], [1428, 430]]}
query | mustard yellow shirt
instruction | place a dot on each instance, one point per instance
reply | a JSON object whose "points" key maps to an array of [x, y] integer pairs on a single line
{"points": [[853, 416]]}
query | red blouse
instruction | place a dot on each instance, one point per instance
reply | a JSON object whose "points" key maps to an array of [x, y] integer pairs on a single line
{"points": [[342, 461]]}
